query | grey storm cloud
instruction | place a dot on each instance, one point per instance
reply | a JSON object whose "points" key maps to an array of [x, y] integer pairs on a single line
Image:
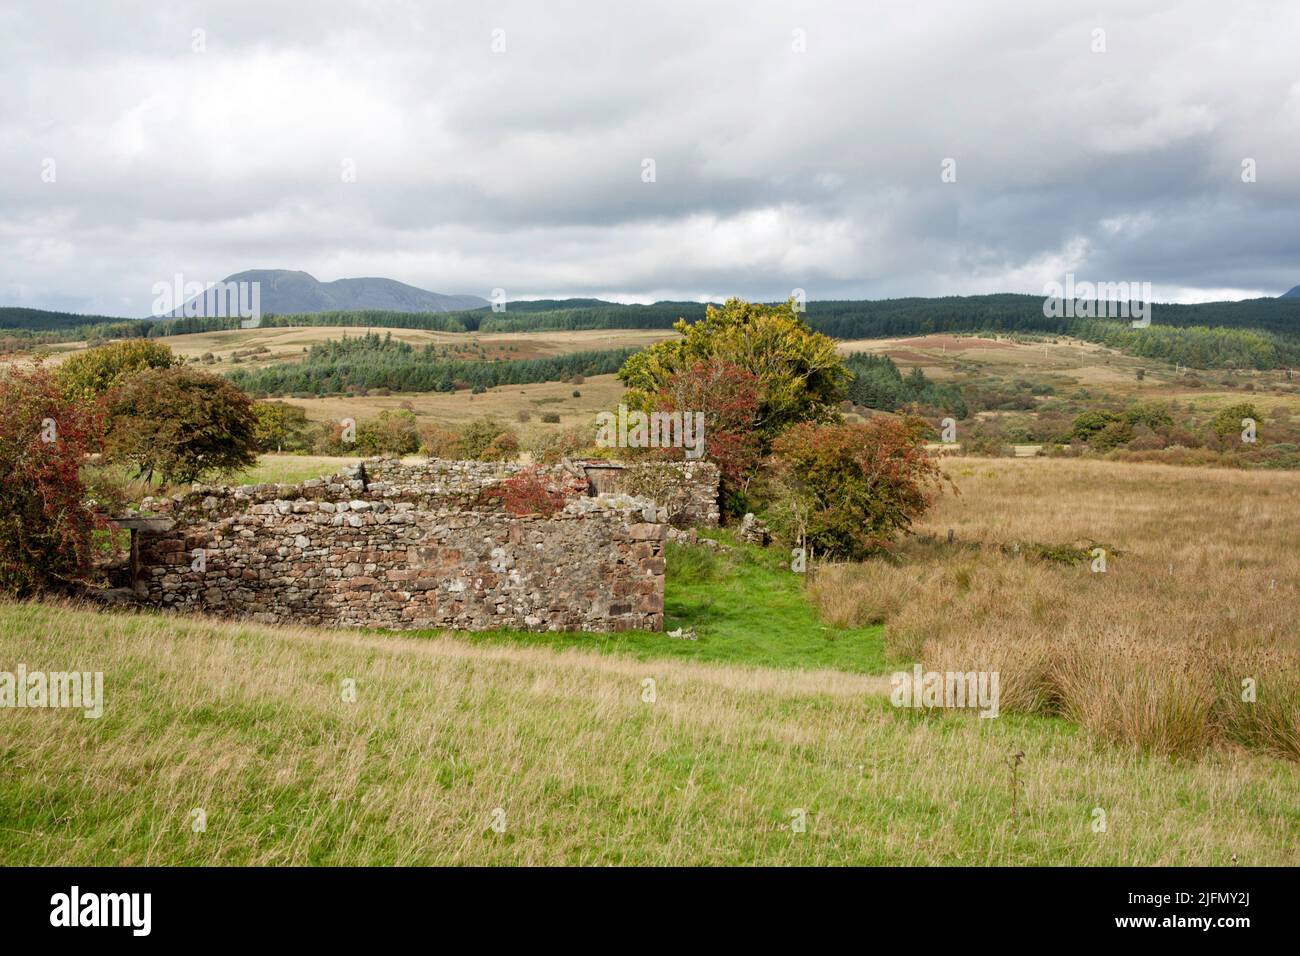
{"points": [[794, 145]]}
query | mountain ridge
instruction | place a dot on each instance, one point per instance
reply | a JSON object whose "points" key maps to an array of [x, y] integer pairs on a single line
{"points": [[295, 292]]}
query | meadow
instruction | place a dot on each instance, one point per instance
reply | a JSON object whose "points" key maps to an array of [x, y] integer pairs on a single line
{"points": [[1154, 706], [461, 753], [1198, 597]]}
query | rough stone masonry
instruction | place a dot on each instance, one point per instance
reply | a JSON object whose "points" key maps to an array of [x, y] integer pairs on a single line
{"points": [[429, 545]]}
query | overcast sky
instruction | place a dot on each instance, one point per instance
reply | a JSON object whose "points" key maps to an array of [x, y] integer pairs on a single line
{"points": [[794, 145]]}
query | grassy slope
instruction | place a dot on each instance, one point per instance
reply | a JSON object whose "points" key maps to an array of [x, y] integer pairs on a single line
{"points": [[248, 723], [744, 608]]}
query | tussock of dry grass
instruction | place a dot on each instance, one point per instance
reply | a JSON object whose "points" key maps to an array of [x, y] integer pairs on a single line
{"points": [[249, 724], [1151, 654]]}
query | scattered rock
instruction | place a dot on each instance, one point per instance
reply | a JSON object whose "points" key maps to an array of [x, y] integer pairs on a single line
{"points": [[754, 531]]}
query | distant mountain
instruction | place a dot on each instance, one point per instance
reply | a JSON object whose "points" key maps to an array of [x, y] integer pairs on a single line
{"points": [[1293, 294], [286, 292]]}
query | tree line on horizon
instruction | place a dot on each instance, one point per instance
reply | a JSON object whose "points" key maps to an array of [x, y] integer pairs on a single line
{"points": [[1257, 333]]}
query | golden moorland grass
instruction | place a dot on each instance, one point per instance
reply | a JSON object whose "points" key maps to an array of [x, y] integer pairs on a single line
{"points": [[1196, 607], [250, 725], [1068, 364], [504, 403], [288, 343]]}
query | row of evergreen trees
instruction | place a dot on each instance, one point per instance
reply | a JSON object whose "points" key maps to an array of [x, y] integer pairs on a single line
{"points": [[877, 383], [372, 361]]}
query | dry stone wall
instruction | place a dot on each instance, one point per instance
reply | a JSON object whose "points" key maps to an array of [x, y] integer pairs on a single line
{"points": [[687, 490], [407, 546]]}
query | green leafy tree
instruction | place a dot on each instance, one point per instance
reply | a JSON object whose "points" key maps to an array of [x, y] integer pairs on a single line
{"points": [[800, 376], [182, 424], [92, 373], [281, 427]]}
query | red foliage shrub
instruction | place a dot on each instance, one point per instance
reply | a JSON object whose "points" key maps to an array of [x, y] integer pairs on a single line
{"points": [[730, 399], [851, 489], [531, 493], [45, 523]]}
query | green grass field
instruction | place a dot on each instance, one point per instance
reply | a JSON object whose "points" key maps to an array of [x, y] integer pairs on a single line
{"points": [[290, 469], [569, 755]]}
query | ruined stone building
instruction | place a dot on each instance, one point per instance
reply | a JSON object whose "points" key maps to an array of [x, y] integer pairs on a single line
{"points": [[427, 545]]}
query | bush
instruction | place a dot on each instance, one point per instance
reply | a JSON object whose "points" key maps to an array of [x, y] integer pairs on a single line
{"points": [[488, 440], [1151, 414], [551, 418], [1112, 436], [45, 522], [1144, 439], [577, 394], [439, 442], [552, 446], [851, 489], [392, 431], [505, 447], [1228, 422], [1091, 422], [530, 493], [329, 439]]}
